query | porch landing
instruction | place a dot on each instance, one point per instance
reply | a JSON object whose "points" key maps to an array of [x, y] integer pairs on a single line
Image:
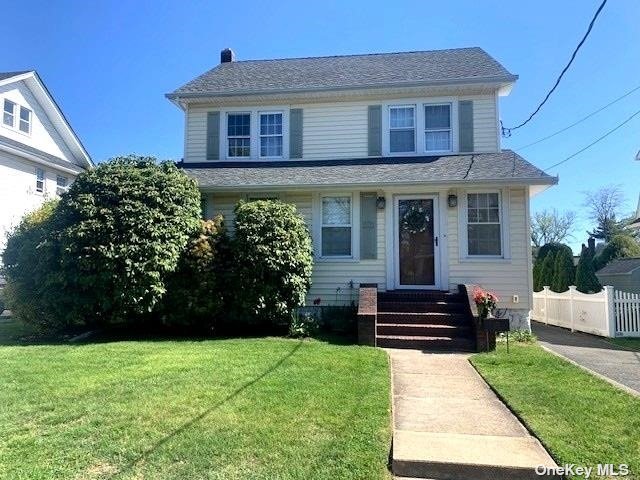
{"points": [[448, 424]]}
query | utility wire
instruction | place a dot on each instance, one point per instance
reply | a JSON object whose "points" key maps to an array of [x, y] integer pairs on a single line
{"points": [[507, 131], [595, 141], [579, 121]]}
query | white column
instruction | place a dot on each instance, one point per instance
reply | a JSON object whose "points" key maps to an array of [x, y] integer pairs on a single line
{"points": [[610, 314], [545, 291], [572, 290]]}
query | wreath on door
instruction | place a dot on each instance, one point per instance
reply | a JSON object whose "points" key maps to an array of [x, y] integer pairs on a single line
{"points": [[415, 220]]}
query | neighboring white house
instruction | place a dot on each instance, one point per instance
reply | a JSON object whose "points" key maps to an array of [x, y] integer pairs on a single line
{"points": [[394, 160], [40, 154]]}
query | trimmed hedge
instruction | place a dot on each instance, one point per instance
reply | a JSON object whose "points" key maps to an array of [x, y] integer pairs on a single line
{"points": [[586, 280], [544, 274], [273, 260], [564, 272]]}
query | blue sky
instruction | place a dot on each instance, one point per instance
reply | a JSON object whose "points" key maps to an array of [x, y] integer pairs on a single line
{"points": [[109, 65]]}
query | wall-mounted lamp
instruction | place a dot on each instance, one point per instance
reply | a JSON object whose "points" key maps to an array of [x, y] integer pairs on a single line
{"points": [[381, 202], [452, 200]]}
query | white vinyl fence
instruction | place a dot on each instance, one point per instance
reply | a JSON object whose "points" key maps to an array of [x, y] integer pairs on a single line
{"points": [[607, 313]]}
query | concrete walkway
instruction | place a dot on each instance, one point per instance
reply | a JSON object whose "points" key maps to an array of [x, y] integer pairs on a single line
{"points": [[448, 424], [615, 364]]}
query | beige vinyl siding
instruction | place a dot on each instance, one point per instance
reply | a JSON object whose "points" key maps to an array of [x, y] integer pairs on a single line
{"points": [[334, 282], [504, 277], [485, 123], [339, 130]]}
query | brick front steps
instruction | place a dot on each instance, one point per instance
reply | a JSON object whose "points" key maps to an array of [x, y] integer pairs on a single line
{"points": [[425, 320]]}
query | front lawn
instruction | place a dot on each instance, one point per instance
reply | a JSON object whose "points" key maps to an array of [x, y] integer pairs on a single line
{"points": [[213, 409], [579, 418]]}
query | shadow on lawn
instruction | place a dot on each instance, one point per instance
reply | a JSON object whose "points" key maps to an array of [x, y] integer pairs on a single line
{"points": [[207, 412]]}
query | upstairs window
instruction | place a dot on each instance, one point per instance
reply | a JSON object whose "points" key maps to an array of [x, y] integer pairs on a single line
{"points": [[484, 228], [336, 226], [9, 116], [25, 120], [271, 135], [39, 180], [239, 134], [402, 129], [437, 128], [62, 183]]}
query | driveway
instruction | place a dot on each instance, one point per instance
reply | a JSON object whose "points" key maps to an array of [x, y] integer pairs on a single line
{"points": [[614, 363]]}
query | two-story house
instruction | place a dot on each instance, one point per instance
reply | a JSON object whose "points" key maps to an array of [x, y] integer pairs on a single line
{"points": [[394, 160], [40, 154]]}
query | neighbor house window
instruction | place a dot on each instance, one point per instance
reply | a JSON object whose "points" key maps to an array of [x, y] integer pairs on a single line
{"points": [[437, 128], [39, 180], [336, 227], [25, 120], [484, 228], [239, 134], [9, 116], [271, 134], [402, 129]]}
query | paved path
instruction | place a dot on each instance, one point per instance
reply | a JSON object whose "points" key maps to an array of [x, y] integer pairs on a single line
{"points": [[598, 355], [448, 424]]}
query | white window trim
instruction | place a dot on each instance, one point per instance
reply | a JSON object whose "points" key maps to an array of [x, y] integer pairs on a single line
{"points": [[16, 117], [260, 136], [355, 227], [420, 124], [450, 129], [254, 131], [504, 200], [29, 122], [44, 181], [415, 128], [227, 137], [13, 113]]}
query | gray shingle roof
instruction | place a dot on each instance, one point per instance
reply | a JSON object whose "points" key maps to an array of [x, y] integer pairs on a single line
{"points": [[39, 153], [5, 75], [484, 167], [350, 71], [620, 266]]}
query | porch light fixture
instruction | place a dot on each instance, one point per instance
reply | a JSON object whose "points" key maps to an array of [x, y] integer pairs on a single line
{"points": [[452, 200], [381, 202]]}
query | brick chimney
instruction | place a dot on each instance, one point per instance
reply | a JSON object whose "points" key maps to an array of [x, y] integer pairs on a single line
{"points": [[227, 56], [592, 245]]}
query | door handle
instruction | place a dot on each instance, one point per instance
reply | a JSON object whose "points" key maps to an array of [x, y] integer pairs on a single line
{"points": [[436, 240]]}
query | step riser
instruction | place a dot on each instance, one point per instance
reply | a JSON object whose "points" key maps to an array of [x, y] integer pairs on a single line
{"points": [[421, 330], [424, 319], [411, 297], [447, 345], [453, 471], [421, 307]]}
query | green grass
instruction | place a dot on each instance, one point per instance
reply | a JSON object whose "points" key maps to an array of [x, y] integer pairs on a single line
{"points": [[578, 417], [632, 343], [214, 409]]}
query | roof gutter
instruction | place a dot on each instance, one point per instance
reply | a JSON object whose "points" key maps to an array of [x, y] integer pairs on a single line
{"points": [[500, 80], [39, 160]]}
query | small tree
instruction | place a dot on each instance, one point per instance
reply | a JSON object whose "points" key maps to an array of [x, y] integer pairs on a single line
{"points": [[196, 290], [564, 272], [620, 246], [603, 207], [547, 270], [273, 261], [586, 280], [551, 226]]}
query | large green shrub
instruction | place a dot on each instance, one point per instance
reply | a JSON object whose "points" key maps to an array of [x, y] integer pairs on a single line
{"points": [[545, 276], [196, 291], [586, 280], [620, 246], [31, 262], [564, 272], [272, 259], [546, 270]]}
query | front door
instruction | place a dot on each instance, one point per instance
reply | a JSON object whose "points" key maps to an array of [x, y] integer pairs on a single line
{"points": [[416, 241]]}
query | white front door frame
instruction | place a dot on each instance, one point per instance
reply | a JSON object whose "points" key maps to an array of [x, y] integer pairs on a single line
{"points": [[436, 235]]}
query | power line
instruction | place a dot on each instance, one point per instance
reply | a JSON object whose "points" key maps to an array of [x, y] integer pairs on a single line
{"points": [[595, 141], [507, 131], [579, 121]]}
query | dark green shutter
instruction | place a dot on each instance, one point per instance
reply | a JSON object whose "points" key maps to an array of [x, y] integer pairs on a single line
{"points": [[295, 133], [213, 135], [465, 123], [375, 130], [368, 226]]}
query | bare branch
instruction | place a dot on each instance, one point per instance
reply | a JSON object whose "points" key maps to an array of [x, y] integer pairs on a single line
{"points": [[550, 226]]}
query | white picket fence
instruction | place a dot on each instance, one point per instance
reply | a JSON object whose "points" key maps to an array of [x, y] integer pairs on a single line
{"points": [[608, 313]]}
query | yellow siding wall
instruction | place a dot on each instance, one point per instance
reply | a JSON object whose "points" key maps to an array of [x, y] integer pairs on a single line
{"points": [[504, 277]]}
